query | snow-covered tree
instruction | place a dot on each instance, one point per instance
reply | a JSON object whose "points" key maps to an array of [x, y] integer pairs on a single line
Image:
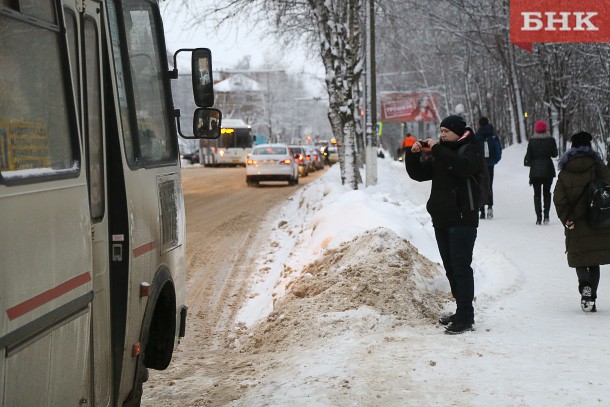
{"points": [[461, 49], [331, 27]]}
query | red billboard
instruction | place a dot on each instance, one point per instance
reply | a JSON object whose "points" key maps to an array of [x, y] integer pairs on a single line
{"points": [[409, 107], [534, 21]]}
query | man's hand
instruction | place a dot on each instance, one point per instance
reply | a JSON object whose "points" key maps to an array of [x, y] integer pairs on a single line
{"points": [[569, 224], [431, 142], [417, 146]]}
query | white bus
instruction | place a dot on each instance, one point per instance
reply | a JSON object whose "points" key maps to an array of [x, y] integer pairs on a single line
{"points": [[92, 242], [233, 146]]}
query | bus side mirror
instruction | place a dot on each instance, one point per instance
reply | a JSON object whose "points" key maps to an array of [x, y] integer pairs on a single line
{"points": [[203, 84], [206, 123]]}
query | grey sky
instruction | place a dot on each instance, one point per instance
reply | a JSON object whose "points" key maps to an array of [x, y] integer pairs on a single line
{"points": [[230, 44]]}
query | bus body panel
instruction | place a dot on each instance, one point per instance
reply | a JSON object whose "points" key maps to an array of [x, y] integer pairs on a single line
{"points": [[60, 341], [150, 248], [45, 264], [52, 261], [68, 367]]}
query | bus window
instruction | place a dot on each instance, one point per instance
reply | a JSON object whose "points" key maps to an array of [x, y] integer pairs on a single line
{"points": [[34, 108], [157, 141], [93, 132], [243, 138], [71, 28], [113, 23]]}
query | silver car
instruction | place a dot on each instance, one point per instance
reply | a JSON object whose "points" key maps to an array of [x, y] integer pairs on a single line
{"points": [[271, 162]]}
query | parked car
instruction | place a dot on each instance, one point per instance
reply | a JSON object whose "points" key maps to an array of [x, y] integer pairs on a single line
{"points": [[193, 157], [271, 162], [300, 155], [333, 155], [317, 160]]}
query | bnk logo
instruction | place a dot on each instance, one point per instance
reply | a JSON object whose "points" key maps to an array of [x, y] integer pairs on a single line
{"points": [[563, 21], [559, 21]]}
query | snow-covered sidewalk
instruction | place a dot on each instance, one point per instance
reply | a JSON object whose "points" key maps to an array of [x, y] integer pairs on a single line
{"points": [[533, 346]]}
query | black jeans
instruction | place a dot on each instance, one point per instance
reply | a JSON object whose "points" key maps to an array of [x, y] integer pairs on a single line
{"points": [[491, 185], [490, 199], [455, 245], [588, 276], [542, 188]]}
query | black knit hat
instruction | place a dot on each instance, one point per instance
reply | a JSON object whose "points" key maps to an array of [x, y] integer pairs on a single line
{"points": [[454, 123], [581, 139]]}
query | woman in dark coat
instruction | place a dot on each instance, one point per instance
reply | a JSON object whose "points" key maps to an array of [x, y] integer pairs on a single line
{"points": [[540, 149], [586, 247]]}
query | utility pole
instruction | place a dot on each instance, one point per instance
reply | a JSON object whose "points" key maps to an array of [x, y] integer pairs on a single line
{"points": [[370, 96]]}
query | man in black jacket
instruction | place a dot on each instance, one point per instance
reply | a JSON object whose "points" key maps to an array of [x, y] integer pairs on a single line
{"points": [[453, 208]]}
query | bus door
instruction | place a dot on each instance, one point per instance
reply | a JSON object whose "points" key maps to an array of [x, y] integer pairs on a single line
{"points": [[85, 33], [145, 190]]}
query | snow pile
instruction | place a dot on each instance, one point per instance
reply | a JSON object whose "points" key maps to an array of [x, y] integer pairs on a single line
{"points": [[326, 219], [376, 270]]}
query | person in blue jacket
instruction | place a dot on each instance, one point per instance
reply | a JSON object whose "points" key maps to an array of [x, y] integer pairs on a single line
{"points": [[492, 151]]}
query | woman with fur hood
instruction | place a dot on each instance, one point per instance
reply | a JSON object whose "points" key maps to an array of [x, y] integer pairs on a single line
{"points": [[586, 247], [540, 149]]}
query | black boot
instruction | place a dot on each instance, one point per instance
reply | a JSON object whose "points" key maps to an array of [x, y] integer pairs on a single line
{"points": [[447, 319], [547, 207], [538, 208]]}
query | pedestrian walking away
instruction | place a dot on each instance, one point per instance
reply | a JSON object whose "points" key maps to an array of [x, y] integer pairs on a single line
{"points": [[587, 248], [455, 158], [491, 148], [540, 151]]}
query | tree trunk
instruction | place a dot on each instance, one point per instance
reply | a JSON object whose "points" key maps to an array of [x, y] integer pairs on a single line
{"points": [[340, 42]]}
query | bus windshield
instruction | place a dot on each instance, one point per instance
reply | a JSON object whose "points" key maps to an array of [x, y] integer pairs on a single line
{"points": [[235, 138]]}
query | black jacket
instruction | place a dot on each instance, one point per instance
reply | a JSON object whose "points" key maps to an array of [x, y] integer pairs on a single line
{"points": [[448, 204], [540, 149]]}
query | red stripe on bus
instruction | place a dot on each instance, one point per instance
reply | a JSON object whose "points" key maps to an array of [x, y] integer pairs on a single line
{"points": [[47, 296], [145, 248]]}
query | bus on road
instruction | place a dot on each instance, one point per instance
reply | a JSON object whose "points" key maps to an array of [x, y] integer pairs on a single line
{"points": [[92, 241], [233, 146]]}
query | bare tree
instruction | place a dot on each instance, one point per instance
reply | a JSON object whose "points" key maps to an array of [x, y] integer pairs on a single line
{"points": [[459, 49], [462, 49], [333, 27]]}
